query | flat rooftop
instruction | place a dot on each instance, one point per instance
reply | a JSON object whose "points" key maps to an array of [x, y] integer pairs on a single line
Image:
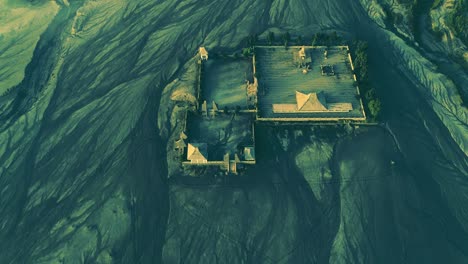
{"points": [[224, 81], [280, 77], [224, 133]]}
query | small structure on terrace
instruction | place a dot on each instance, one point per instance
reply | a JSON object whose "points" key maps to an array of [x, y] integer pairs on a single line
{"points": [[180, 144], [214, 109], [327, 70], [203, 53], [302, 53], [249, 153], [302, 59]]}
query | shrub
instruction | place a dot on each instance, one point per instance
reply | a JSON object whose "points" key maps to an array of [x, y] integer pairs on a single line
{"points": [[370, 100], [374, 107], [252, 40], [322, 39], [286, 37], [314, 40], [334, 38], [360, 60], [370, 94], [271, 37], [247, 52], [299, 40]]}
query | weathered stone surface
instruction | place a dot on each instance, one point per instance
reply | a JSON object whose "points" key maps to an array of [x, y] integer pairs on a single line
{"points": [[96, 89]]}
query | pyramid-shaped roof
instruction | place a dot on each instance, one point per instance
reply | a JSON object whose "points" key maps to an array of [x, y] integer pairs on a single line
{"points": [[197, 152], [203, 51], [311, 101], [183, 135], [236, 158], [180, 144]]}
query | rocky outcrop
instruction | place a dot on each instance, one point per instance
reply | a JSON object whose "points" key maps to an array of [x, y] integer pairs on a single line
{"points": [[20, 30], [451, 43]]}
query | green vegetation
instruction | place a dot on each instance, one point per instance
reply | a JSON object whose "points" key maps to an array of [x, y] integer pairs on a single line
{"points": [[318, 39], [436, 4], [286, 37], [324, 39], [375, 107], [372, 104], [271, 38], [251, 40], [299, 40], [458, 20], [247, 52]]}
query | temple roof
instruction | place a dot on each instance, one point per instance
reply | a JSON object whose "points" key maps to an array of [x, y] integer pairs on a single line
{"points": [[197, 151], [311, 101], [203, 51]]}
